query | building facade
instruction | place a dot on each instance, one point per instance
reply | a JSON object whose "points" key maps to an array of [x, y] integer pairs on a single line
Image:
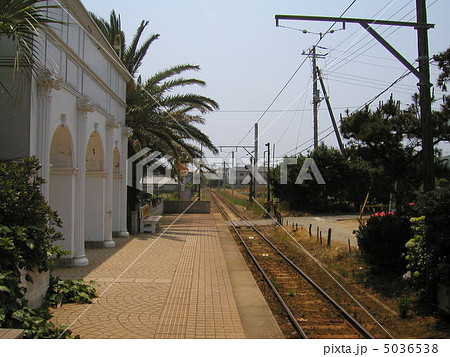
{"points": [[71, 116]]}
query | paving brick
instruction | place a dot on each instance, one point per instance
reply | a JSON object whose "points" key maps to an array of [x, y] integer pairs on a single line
{"points": [[179, 288]]}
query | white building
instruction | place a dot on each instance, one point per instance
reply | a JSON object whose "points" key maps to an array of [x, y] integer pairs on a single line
{"points": [[71, 116]]}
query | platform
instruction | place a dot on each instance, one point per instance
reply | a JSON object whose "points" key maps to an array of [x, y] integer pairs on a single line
{"points": [[191, 282]]}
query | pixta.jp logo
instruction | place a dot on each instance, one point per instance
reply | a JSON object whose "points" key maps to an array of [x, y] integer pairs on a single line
{"points": [[144, 170], [148, 170]]}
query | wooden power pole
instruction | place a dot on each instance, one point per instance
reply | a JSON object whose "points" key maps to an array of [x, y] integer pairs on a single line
{"points": [[316, 99], [425, 96]]}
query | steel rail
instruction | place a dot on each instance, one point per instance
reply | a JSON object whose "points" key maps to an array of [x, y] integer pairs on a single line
{"points": [[356, 325], [280, 299]]}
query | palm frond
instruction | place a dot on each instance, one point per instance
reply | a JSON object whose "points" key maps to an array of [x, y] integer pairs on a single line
{"points": [[167, 73], [180, 82], [20, 21], [135, 60], [199, 102]]}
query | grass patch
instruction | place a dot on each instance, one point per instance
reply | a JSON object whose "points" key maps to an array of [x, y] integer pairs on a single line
{"points": [[240, 200]]}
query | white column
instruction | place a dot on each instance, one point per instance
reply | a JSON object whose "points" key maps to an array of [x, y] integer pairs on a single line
{"points": [[126, 133], [84, 106], [111, 124], [46, 83]]}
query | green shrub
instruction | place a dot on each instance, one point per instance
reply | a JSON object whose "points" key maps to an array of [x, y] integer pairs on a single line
{"points": [[382, 241], [404, 304], [435, 206], [28, 230], [70, 291], [37, 325], [28, 226], [347, 183]]}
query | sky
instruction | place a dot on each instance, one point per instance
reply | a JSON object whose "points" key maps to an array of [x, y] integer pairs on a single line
{"points": [[246, 60]]}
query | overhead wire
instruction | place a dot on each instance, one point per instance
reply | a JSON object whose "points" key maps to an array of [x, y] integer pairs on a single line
{"points": [[376, 15], [301, 123], [295, 72], [368, 103], [362, 50], [373, 86], [276, 110], [273, 122], [371, 39], [404, 75], [293, 116]]}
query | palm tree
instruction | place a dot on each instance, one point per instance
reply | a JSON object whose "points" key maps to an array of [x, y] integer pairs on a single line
{"points": [[167, 122], [20, 21], [161, 121], [131, 55]]}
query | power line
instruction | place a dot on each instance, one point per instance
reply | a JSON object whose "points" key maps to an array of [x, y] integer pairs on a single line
{"points": [[366, 79], [315, 80], [296, 71], [271, 111], [347, 59], [275, 99], [364, 34], [376, 15], [365, 85], [293, 117], [404, 75]]}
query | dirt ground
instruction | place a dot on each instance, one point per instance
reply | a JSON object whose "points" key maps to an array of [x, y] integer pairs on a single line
{"points": [[378, 297]]}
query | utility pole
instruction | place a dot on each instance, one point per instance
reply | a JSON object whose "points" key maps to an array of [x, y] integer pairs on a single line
{"points": [[316, 99], [255, 163], [273, 159], [250, 183], [312, 53], [268, 171], [201, 172], [425, 96], [233, 173], [330, 111], [427, 129], [250, 168], [224, 174]]}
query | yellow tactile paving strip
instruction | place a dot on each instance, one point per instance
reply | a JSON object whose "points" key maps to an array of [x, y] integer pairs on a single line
{"points": [[201, 302], [179, 288]]}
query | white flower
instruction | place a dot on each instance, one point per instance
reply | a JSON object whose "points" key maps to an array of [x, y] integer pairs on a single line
{"points": [[407, 276]]}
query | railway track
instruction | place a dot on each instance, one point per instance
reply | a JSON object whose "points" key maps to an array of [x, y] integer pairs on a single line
{"points": [[311, 311]]}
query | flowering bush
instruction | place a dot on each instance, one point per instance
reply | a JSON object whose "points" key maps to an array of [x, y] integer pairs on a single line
{"points": [[382, 240], [416, 255], [435, 206]]}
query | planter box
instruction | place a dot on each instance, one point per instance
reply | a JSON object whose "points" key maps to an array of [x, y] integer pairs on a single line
{"points": [[10, 334], [203, 207], [443, 298]]}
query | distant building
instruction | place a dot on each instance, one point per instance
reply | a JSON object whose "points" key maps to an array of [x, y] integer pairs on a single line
{"points": [[242, 177], [242, 173], [72, 117]]}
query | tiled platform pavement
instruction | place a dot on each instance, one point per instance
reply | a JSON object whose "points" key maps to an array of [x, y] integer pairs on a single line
{"points": [[179, 288]]}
